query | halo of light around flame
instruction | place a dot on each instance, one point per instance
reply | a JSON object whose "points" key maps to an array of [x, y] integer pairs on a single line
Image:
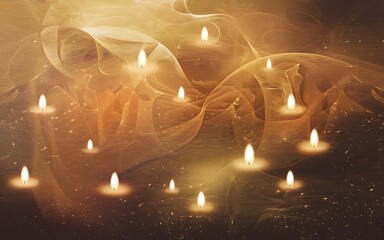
{"points": [[172, 185], [290, 179], [291, 103], [249, 154], [269, 64], [90, 145], [204, 35], [42, 102], [142, 58], [314, 139], [24, 175], [114, 181], [201, 200], [181, 94]]}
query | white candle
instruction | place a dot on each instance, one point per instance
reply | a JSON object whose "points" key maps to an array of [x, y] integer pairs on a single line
{"points": [[24, 181], [114, 188], [249, 162], [314, 145]]}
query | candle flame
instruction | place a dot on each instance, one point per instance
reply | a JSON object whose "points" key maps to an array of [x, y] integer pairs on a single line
{"points": [[24, 175], [90, 145], [181, 94], [201, 200], [42, 102], [291, 104], [204, 35], [249, 154], [314, 138], [290, 179], [114, 181], [269, 64], [142, 59], [172, 185]]}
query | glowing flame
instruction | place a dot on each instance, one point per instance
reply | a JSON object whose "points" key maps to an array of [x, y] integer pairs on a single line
{"points": [[24, 175], [114, 181], [269, 64], [172, 185], [291, 102], [142, 59], [90, 145], [181, 94], [290, 179], [42, 102], [249, 154], [204, 35], [201, 200], [314, 138]]}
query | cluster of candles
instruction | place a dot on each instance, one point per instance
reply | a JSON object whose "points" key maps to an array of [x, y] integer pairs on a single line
{"points": [[248, 163]]}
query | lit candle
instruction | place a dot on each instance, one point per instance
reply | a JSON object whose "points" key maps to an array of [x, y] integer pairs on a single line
{"points": [[201, 200], [114, 181], [181, 98], [249, 154], [142, 59], [91, 149], [42, 107], [314, 138], [204, 35], [290, 182], [249, 162], [90, 145], [269, 64], [290, 179], [24, 175], [181, 94], [313, 146], [201, 206], [114, 188], [291, 103], [24, 181], [172, 187], [42, 102], [291, 109]]}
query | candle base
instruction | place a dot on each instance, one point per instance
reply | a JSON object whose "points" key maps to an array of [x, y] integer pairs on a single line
{"points": [[175, 191], [121, 191], [296, 185], [206, 209], [257, 165], [17, 183], [307, 149], [178, 100], [297, 112], [93, 151], [47, 110]]}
